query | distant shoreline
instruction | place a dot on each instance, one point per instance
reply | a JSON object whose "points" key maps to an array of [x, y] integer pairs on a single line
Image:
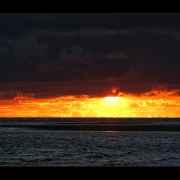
{"points": [[99, 127]]}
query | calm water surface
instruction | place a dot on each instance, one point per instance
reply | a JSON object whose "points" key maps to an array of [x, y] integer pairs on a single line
{"points": [[27, 146]]}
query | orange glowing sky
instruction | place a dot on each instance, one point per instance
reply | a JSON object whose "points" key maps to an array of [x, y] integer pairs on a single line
{"points": [[66, 65], [162, 104]]}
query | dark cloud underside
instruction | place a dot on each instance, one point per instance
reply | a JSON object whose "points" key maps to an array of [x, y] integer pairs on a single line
{"points": [[88, 54]]}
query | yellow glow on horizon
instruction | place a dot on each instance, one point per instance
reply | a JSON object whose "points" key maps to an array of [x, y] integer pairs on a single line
{"points": [[85, 106]]}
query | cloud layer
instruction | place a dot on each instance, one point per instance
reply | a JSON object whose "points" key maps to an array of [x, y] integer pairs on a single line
{"points": [[55, 55]]}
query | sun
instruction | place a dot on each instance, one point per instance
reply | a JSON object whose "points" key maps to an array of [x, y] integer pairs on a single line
{"points": [[111, 106], [112, 99]]}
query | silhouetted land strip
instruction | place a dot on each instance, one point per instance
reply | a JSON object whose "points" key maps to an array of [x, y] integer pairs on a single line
{"points": [[101, 127]]}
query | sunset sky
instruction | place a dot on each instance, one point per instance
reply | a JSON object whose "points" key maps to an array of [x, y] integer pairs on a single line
{"points": [[90, 65]]}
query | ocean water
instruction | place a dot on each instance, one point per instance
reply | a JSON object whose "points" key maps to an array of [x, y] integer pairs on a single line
{"points": [[89, 142]]}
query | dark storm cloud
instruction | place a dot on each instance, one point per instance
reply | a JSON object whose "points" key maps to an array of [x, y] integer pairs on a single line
{"points": [[7, 95], [78, 54], [15, 27], [136, 51], [30, 47], [4, 50], [75, 54]]}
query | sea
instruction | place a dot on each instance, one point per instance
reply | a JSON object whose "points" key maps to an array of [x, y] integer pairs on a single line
{"points": [[90, 142]]}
